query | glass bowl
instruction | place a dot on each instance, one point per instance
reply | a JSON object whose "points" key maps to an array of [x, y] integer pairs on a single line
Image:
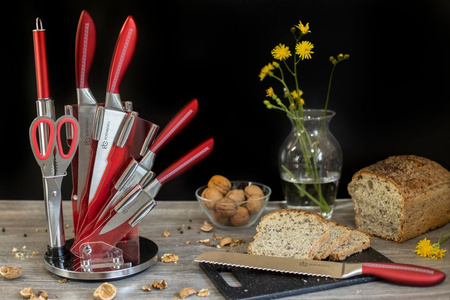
{"points": [[232, 214]]}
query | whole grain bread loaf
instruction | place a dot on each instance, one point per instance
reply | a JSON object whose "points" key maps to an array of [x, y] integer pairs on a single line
{"points": [[401, 197], [290, 233]]}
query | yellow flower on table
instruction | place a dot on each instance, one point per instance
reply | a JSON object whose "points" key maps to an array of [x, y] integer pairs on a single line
{"points": [[424, 248], [281, 52], [303, 49]]}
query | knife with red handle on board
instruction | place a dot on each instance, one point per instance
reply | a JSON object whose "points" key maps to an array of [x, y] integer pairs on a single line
{"points": [[130, 210], [136, 171], [399, 273], [85, 44]]}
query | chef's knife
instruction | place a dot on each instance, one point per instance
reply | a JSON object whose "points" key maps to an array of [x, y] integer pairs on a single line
{"points": [[113, 114], [85, 44], [135, 170], [130, 210], [399, 273]]}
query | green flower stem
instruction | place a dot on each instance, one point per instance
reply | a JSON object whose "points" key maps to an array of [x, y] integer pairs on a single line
{"points": [[322, 204]]}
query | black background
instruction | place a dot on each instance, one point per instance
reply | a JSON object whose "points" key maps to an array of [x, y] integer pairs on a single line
{"points": [[391, 97]]}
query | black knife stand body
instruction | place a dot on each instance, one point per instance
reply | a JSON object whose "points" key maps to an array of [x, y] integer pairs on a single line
{"points": [[128, 257]]}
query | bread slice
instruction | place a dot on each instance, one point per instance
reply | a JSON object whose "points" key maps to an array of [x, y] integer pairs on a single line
{"points": [[358, 242], [339, 235], [290, 233]]}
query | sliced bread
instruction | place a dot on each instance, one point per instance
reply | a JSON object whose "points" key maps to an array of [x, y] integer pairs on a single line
{"points": [[358, 242], [290, 233], [339, 235]]}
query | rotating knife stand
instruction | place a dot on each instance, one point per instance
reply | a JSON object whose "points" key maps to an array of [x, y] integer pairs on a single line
{"points": [[127, 258]]}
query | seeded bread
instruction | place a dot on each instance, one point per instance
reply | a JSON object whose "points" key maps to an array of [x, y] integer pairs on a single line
{"points": [[358, 242], [339, 235], [290, 233], [401, 197]]}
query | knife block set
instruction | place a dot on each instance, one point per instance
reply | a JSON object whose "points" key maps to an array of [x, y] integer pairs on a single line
{"points": [[113, 183]]}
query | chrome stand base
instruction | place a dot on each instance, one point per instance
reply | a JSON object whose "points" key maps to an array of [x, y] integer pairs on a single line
{"points": [[65, 267]]}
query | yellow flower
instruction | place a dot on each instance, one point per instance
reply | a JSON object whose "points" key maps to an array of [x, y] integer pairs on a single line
{"points": [[269, 92], [281, 52], [303, 28], [424, 248], [439, 253], [303, 49], [296, 96], [266, 70]]}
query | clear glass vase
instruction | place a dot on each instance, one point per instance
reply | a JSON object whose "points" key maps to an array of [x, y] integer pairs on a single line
{"points": [[310, 162]]}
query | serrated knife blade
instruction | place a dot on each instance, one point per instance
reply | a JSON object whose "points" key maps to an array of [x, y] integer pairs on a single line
{"points": [[399, 273]]}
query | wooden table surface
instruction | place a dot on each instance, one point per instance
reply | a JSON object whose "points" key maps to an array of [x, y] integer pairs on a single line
{"points": [[24, 224]]}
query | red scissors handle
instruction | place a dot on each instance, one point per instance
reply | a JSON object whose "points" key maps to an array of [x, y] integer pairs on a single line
{"points": [[51, 136], [73, 146], [50, 144]]}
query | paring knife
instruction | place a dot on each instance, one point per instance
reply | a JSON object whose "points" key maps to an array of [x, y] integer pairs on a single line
{"points": [[399, 273], [130, 210], [113, 113], [85, 44], [136, 172]]}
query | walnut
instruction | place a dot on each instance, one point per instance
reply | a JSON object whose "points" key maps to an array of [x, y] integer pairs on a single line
{"points": [[226, 207], [220, 183], [254, 205], [236, 195], [105, 291], [213, 195], [27, 292], [253, 190], [220, 219], [206, 227], [203, 293], [186, 292], [11, 272], [169, 257], [241, 217], [43, 294]]}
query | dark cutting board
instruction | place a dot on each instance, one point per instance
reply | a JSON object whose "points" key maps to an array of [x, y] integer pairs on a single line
{"points": [[256, 284]]}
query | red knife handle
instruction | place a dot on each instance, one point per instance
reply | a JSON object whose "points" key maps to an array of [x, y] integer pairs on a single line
{"points": [[404, 274], [85, 44], [175, 125], [186, 162], [123, 53], [40, 59]]}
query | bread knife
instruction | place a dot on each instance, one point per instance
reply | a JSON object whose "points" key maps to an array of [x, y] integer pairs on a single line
{"points": [[394, 272]]}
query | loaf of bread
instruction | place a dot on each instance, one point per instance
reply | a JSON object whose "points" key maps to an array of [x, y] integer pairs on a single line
{"points": [[401, 197], [290, 233]]}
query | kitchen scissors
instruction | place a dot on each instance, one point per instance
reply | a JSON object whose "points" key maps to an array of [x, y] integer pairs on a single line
{"points": [[53, 162]]}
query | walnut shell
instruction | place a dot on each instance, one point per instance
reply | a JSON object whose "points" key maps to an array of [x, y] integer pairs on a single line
{"points": [[253, 205], [236, 195], [241, 217], [253, 190], [220, 183], [11, 272], [105, 291], [226, 207], [211, 194]]}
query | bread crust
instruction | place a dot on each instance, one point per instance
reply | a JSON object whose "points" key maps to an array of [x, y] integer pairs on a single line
{"points": [[424, 187]]}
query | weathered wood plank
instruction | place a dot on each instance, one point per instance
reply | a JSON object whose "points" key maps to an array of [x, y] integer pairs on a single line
{"points": [[20, 218]]}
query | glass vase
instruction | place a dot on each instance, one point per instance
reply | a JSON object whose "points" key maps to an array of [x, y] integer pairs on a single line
{"points": [[310, 163]]}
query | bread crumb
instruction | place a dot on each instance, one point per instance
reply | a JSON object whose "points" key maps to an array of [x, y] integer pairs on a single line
{"points": [[203, 293]]}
